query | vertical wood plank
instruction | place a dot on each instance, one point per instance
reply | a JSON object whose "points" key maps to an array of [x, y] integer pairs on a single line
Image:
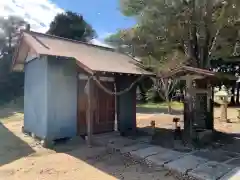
{"points": [[115, 108], [188, 116], [89, 112]]}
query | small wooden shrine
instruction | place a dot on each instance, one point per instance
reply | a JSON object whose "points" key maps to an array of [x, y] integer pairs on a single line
{"points": [[199, 96]]}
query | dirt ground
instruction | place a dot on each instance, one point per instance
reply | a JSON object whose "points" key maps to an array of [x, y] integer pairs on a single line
{"points": [[165, 120], [22, 158], [226, 136]]}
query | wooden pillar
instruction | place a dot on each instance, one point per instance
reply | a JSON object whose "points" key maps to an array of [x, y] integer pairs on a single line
{"points": [[116, 108], [89, 112], [188, 109], [210, 117]]}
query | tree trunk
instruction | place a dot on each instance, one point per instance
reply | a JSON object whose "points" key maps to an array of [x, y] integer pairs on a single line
{"points": [[143, 93], [181, 95], [169, 105], [233, 94], [237, 97]]}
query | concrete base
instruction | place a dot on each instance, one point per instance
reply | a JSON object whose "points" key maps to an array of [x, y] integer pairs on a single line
{"points": [[134, 147], [121, 143], [164, 157], [185, 164], [216, 155], [113, 141], [199, 165], [149, 151], [210, 171]]}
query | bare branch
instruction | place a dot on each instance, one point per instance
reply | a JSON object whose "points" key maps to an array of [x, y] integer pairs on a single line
{"points": [[165, 87], [214, 42]]}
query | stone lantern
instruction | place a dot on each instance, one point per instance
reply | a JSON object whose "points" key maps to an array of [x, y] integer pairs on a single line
{"points": [[222, 99]]}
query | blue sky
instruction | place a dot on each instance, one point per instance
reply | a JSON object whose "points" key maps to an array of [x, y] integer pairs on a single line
{"points": [[104, 15]]}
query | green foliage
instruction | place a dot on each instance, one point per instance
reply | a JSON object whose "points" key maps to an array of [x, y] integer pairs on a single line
{"points": [[72, 26], [10, 30], [11, 83], [153, 96], [200, 29], [132, 7]]}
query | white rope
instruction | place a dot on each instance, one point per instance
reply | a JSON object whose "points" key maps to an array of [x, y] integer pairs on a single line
{"points": [[112, 92], [87, 85]]}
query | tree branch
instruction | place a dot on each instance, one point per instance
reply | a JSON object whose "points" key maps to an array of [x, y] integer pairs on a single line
{"points": [[166, 87], [214, 42]]}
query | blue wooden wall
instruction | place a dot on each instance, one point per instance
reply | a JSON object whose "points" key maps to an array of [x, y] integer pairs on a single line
{"points": [[50, 98], [35, 97], [61, 98]]}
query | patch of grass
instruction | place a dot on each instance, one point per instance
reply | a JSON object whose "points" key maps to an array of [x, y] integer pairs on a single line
{"points": [[174, 105]]}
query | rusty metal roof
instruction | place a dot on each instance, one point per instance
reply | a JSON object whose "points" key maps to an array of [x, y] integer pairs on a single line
{"points": [[95, 58]]}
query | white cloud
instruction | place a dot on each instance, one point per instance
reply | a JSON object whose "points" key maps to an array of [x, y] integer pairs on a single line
{"points": [[100, 40], [38, 13], [104, 35], [100, 43]]}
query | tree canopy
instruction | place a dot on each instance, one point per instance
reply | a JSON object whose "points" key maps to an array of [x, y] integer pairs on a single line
{"points": [[11, 83], [72, 26], [200, 29], [9, 32]]}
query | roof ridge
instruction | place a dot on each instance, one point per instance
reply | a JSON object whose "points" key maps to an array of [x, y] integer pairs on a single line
{"points": [[67, 39]]}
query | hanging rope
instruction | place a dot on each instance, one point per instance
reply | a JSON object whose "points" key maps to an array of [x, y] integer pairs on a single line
{"points": [[110, 91], [87, 85]]}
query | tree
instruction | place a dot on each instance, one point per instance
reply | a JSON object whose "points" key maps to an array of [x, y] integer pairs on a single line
{"points": [[72, 26], [199, 28], [11, 83], [9, 32], [165, 86]]}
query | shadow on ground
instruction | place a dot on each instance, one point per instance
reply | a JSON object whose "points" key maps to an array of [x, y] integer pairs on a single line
{"points": [[11, 146], [109, 162], [227, 141], [167, 138]]}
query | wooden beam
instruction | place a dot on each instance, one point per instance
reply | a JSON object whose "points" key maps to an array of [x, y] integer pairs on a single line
{"points": [[116, 108], [89, 113], [193, 77], [188, 121]]}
